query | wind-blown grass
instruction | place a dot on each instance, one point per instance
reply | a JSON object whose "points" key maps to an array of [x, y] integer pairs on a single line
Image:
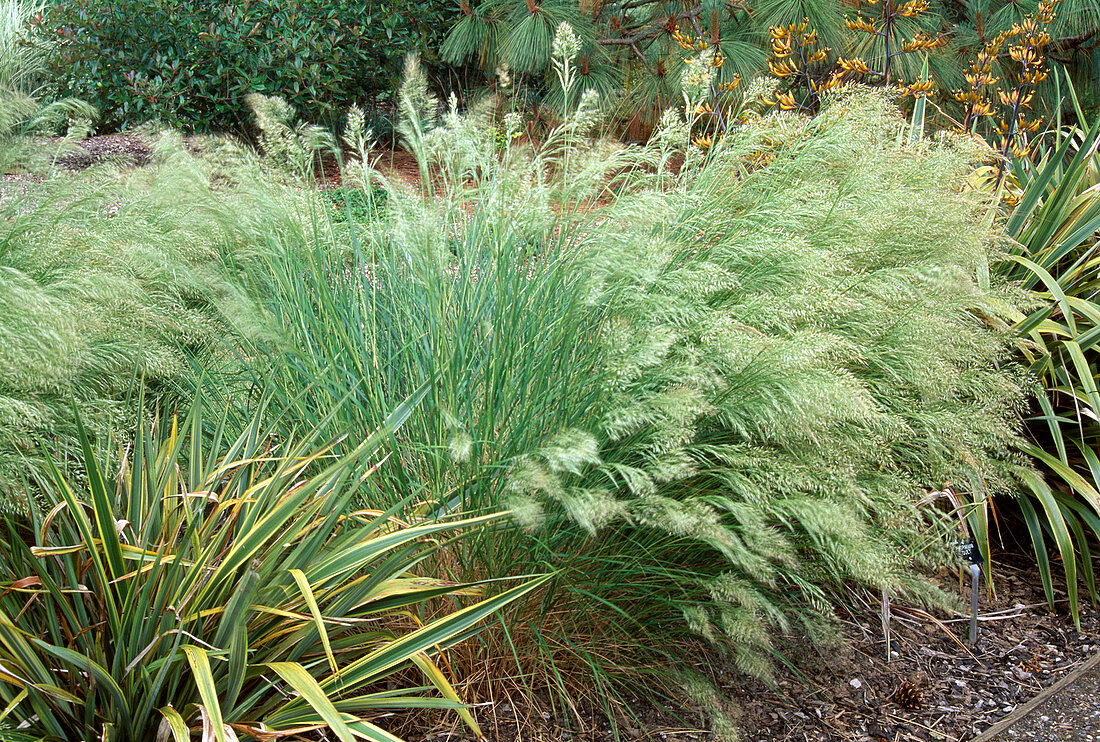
{"points": [[106, 280], [713, 396], [712, 402]]}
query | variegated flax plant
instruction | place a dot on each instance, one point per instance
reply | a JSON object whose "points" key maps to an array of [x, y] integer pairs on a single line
{"points": [[200, 585]]}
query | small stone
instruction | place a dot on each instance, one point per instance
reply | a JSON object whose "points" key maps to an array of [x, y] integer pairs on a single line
{"points": [[855, 683]]}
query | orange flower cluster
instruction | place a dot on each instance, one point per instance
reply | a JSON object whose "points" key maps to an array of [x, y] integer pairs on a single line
{"points": [[792, 48], [912, 8], [784, 38], [918, 89], [1026, 44], [785, 101], [860, 24], [687, 43], [922, 41], [853, 65], [885, 27], [712, 109], [729, 87]]}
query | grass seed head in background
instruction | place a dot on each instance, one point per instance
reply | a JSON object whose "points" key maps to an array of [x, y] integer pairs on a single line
{"points": [[212, 583], [108, 278]]}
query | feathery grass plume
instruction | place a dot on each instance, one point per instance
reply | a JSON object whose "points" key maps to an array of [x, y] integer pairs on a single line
{"points": [[22, 52], [740, 377], [109, 276], [286, 145]]}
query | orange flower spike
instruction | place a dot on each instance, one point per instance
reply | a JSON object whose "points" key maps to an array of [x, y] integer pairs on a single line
{"points": [[779, 70], [853, 65], [861, 24], [732, 85]]}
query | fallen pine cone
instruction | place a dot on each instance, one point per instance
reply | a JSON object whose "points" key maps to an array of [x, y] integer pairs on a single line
{"points": [[908, 696]]}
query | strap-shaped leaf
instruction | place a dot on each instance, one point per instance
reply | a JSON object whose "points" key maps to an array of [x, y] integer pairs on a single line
{"points": [[174, 724], [315, 611], [1053, 286], [296, 676], [199, 661], [439, 680], [437, 632], [1071, 477], [1062, 539], [83, 663]]}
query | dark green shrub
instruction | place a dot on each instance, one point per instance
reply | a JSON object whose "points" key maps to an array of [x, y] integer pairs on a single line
{"points": [[191, 63]]}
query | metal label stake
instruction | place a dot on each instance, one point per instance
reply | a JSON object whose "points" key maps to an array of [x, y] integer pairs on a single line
{"points": [[969, 551], [975, 581]]}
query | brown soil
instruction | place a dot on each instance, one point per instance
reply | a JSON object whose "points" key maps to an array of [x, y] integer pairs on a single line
{"points": [[935, 686]]}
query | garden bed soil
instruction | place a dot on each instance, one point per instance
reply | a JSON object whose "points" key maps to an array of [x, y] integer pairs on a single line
{"points": [[935, 686]]}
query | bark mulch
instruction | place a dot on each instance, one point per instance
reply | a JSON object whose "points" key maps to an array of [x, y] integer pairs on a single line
{"points": [[934, 686]]}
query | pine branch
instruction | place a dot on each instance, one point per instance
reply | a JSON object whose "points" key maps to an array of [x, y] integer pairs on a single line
{"points": [[652, 30]]}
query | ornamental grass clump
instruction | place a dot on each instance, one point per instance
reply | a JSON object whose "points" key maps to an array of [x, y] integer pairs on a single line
{"points": [[713, 396], [105, 280]]}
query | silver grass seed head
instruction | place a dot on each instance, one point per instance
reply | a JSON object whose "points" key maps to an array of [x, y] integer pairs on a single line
{"points": [[566, 45], [356, 125]]}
